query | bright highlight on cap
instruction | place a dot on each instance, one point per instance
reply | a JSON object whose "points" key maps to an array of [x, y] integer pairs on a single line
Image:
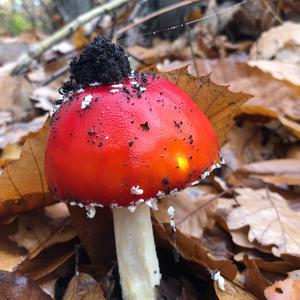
{"points": [[182, 162]]}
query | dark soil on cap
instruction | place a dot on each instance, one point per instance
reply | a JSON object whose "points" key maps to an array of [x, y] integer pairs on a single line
{"points": [[101, 61]]}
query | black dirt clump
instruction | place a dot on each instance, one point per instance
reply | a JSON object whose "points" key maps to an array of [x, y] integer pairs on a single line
{"points": [[145, 126], [101, 61]]}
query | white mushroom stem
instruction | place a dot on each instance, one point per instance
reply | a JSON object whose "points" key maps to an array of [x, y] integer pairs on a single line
{"points": [[137, 259]]}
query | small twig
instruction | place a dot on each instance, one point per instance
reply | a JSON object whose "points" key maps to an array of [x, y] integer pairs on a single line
{"points": [[273, 13], [153, 15], [35, 51], [192, 51], [55, 75]]}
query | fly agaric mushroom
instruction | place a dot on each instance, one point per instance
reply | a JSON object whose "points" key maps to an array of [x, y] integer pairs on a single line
{"points": [[123, 140]]}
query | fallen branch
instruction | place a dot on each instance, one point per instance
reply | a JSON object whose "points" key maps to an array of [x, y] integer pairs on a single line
{"points": [[35, 51]]}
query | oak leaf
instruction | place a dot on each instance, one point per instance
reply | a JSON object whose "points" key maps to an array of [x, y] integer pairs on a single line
{"points": [[272, 222]]}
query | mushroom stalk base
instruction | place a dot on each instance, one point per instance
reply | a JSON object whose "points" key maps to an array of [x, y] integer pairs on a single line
{"points": [[137, 259]]}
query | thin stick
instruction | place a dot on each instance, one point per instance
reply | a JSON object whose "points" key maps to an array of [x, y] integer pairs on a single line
{"points": [[55, 75], [153, 15], [273, 13], [35, 51]]}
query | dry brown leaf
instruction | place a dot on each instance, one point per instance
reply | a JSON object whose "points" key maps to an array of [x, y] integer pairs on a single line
{"points": [[17, 287], [160, 50], [79, 38], [272, 222], [23, 184], [10, 153], [193, 211], [47, 261], [246, 145], [15, 132], [279, 70], [192, 250], [232, 292], [280, 43], [44, 97], [288, 289], [276, 171], [254, 280], [14, 95], [92, 233], [83, 287], [36, 233], [218, 103], [266, 262], [11, 256], [283, 105]]}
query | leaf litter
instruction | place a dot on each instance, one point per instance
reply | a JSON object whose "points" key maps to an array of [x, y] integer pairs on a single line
{"points": [[241, 221]]}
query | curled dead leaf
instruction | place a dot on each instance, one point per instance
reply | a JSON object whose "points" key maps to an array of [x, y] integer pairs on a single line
{"points": [[18, 191]]}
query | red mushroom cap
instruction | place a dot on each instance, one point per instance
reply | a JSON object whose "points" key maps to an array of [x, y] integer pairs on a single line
{"points": [[118, 144]]}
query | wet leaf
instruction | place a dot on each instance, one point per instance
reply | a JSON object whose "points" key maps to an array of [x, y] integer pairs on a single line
{"points": [[17, 287], [272, 222], [83, 287], [23, 184], [218, 103]]}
